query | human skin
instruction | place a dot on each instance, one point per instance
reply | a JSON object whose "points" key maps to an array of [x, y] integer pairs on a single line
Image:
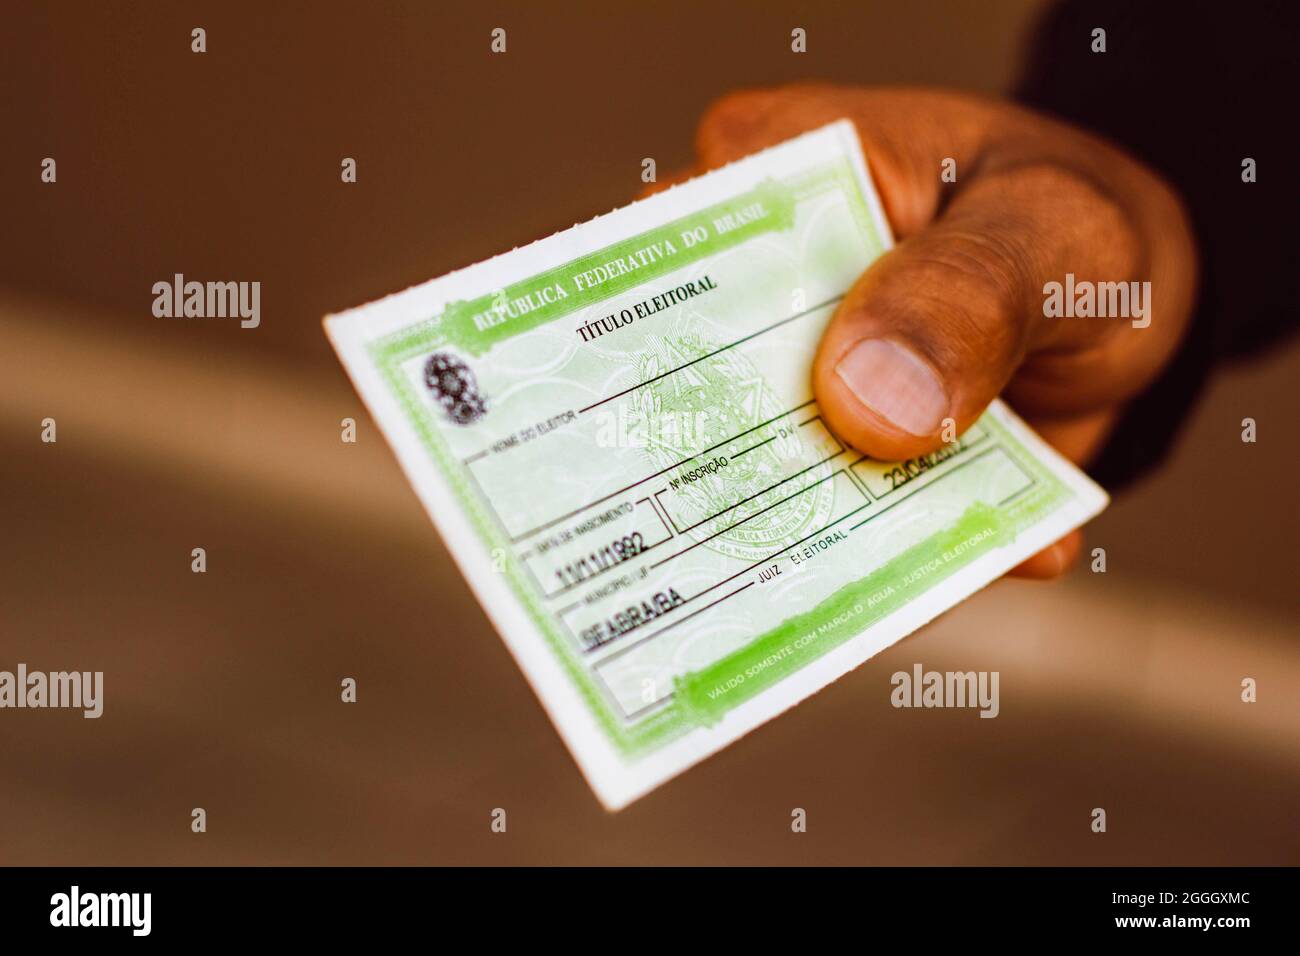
{"points": [[952, 317]]}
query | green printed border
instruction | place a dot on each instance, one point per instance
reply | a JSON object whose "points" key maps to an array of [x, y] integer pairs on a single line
{"points": [[776, 654], [692, 706], [448, 327]]}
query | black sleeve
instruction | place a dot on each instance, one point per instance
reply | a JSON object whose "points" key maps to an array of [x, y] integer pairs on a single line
{"points": [[1192, 89]]}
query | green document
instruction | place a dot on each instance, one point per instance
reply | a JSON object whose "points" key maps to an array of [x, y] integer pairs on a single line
{"points": [[614, 430]]}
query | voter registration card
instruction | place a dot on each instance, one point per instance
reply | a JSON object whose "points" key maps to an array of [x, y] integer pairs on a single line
{"points": [[615, 433]]}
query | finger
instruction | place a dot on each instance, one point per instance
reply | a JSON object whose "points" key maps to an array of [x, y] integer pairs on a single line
{"points": [[1079, 438], [1052, 561], [905, 135]]}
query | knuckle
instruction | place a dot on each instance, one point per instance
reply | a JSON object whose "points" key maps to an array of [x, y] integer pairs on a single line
{"points": [[985, 275], [993, 263], [746, 120], [736, 106], [972, 286], [734, 120]]}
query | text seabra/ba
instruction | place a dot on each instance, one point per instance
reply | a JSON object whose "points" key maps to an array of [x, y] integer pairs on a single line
{"points": [[78, 690]]}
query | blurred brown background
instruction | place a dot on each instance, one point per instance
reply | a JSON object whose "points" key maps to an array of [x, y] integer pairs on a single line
{"points": [[222, 690]]}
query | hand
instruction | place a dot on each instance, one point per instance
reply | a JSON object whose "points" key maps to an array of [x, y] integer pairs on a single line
{"points": [[953, 315]]}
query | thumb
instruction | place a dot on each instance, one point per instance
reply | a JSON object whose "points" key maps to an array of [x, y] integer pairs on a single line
{"points": [[924, 340], [936, 328]]}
